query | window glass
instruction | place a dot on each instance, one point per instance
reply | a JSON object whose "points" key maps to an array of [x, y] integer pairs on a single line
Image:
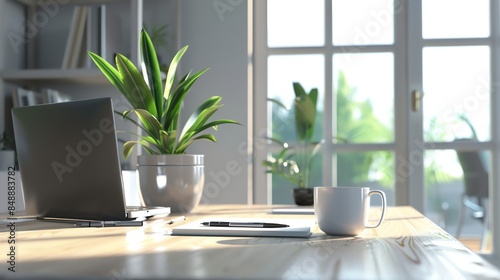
{"points": [[456, 83], [363, 22], [364, 93], [367, 169], [295, 23], [283, 71], [455, 19], [450, 174]]}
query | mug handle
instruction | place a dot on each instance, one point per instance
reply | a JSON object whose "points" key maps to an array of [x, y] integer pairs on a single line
{"points": [[382, 195]]}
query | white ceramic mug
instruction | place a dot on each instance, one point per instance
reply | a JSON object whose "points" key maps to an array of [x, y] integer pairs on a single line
{"points": [[345, 210]]}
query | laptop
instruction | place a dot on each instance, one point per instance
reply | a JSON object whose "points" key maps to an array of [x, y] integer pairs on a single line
{"points": [[70, 164]]}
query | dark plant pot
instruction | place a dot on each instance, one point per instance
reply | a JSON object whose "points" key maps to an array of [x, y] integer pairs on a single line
{"points": [[303, 197]]}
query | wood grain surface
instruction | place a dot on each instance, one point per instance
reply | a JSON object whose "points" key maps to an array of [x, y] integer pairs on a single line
{"points": [[406, 246]]}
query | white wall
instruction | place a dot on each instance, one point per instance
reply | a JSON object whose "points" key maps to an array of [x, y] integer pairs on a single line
{"points": [[216, 32]]}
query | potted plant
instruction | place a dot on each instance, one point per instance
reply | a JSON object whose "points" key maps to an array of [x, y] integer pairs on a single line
{"points": [[167, 175], [7, 153], [294, 162]]}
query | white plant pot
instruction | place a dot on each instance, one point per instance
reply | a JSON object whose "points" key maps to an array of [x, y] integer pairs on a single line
{"points": [[7, 159], [175, 181], [13, 194]]}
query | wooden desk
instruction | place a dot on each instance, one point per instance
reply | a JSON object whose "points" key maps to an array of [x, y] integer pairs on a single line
{"points": [[406, 246]]}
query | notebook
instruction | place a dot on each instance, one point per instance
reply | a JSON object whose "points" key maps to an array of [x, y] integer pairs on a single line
{"points": [[297, 228], [294, 210], [69, 162]]}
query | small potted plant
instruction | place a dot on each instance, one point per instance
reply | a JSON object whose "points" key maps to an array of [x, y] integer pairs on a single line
{"points": [[7, 153], [167, 175], [294, 162]]}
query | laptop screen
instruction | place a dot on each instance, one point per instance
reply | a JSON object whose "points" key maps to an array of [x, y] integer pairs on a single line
{"points": [[69, 160]]}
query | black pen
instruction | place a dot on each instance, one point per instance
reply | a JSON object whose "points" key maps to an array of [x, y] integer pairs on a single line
{"points": [[243, 224], [109, 224]]}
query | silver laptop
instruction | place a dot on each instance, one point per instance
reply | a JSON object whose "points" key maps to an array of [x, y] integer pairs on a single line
{"points": [[69, 162]]}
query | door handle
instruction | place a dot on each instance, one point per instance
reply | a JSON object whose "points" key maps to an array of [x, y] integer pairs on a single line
{"points": [[416, 100]]}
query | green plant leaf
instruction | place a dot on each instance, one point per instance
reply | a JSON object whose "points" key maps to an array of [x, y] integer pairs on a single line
{"points": [[176, 98], [168, 140], [170, 124], [268, 163], [172, 70], [109, 72], [209, 137], [313, 94], [147, 146], [298, 90], [210, 102], [151, 125], [305, 112], [149, 138], [158, 112], [125, 116], [215, 124], [137, 124], [140, 94], [147, 143], [182, 148], [200, 120], [151, 70], [282, 153], [279, 103], [127, 148], [158, 35]]}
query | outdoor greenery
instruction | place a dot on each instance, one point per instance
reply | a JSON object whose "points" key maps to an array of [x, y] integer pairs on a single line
{"points": [[7, 142], [158, 107], [294, 162], [356, 123]]}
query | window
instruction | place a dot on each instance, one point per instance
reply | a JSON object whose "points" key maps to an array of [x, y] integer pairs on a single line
{"points": [[354, 75], [402, 95]]}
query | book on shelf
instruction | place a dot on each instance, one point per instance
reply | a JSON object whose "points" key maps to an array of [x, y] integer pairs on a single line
{"points": [[95, 40], [22, 97], [54, 96], [76, 38], [87, 33]]}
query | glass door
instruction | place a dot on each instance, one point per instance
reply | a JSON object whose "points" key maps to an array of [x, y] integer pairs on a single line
{"points": [[350, 60], [404, 99], [455, 46]]}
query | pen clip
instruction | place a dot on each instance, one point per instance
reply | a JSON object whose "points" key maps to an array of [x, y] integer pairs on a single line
{"points": [[177, 219]]}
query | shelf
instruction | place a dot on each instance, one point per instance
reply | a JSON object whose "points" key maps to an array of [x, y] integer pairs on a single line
{"points": [[34, 77], [74, 2]]}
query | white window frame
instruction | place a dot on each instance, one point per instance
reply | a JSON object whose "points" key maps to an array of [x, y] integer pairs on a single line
{"points": [[262, 194], [409, 190]]}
